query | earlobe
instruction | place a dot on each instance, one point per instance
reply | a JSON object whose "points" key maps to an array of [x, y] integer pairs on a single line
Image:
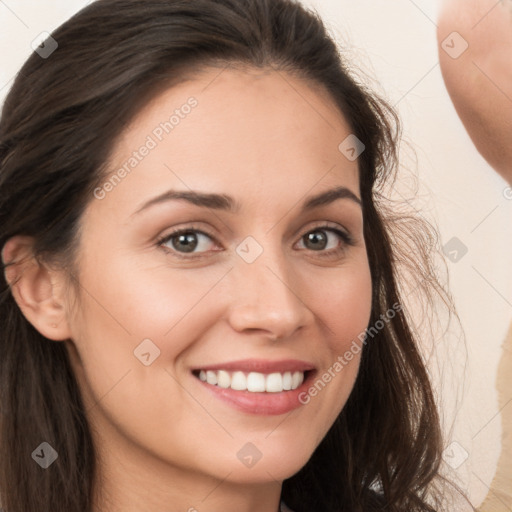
{"points": [[36, 288]]}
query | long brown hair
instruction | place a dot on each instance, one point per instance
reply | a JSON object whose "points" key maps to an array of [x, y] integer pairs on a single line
{"points": [[59, 122]]}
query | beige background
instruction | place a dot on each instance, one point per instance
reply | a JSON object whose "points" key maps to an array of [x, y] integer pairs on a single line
{"points": [[395, 42]]}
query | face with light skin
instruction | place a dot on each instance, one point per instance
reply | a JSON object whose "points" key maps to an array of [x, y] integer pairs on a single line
{"points": [[270, 142]]}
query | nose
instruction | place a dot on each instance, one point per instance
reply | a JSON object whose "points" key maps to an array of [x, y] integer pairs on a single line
{"points": [[267, 297]]}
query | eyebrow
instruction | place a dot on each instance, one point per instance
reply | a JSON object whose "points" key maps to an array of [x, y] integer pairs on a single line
{"points": [[229, 204]]}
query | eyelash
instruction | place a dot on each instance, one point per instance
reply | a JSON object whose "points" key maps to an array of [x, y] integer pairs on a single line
{"points": [[347, 241]]}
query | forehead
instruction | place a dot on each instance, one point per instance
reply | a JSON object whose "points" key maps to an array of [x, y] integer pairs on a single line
{"points": [[253, 130]]}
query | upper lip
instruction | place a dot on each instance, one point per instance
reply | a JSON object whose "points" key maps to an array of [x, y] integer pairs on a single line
{"points": [[261, 366]]}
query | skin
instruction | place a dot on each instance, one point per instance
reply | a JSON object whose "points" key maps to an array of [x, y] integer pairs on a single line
{"points": [[270, 141], [480, 80]]}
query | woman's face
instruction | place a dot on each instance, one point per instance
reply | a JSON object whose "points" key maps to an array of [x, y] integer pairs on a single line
{"points": [[261, 289]]}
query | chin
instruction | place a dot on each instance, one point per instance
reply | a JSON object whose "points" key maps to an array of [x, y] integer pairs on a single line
{"points": [[275, 465]]}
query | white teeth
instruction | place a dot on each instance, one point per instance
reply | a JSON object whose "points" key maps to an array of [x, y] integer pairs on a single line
{"points": [[253, 382], [287, 381], [239, 381], [223, 379], [297, 379], [274, 383], [256, 382], [211, 377]]}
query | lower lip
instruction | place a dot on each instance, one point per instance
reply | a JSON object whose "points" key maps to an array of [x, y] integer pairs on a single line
{"points": [[266, 404]]}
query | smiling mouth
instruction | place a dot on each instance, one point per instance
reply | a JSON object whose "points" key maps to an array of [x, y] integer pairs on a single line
{"points": [[253, 382]]}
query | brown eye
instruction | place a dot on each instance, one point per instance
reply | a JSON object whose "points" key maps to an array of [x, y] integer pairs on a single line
{"points": [[186, 241], [316, 240], [326, 241]]}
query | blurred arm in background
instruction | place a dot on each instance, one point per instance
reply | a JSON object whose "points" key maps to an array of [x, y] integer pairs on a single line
{"points": [[479, 81]]}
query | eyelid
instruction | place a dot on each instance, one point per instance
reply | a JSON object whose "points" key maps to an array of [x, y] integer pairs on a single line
{"points": [[327, 224]]}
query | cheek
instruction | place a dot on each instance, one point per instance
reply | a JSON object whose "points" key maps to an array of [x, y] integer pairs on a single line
{"points": [[120, 307], [118, 312], [348, 316], [345, 305], [344, 309], [133, 303]]}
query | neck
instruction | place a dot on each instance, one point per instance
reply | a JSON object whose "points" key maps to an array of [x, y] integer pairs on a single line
{"points": [[130, 480]]}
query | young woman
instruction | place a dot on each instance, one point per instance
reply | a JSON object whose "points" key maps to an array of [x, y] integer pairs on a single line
{"points": [[183, 329]]}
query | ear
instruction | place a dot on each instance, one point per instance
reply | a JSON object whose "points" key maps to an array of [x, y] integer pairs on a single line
{"points": [[37, 289]]}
